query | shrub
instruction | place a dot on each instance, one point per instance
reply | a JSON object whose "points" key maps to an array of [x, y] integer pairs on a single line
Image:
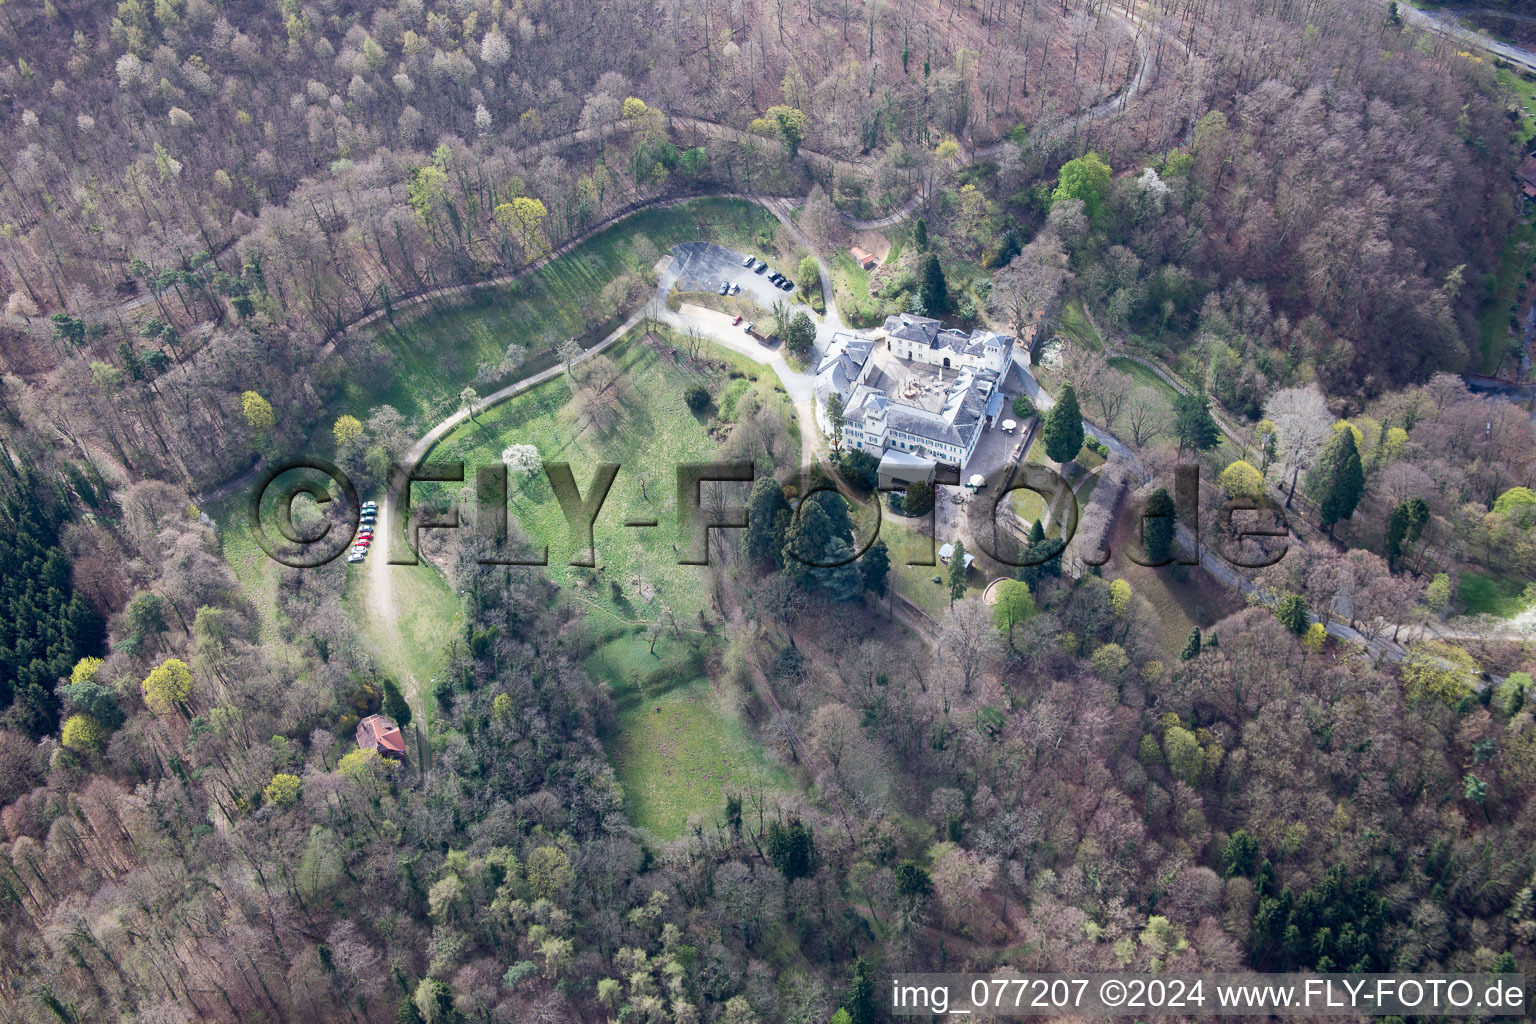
{"points": [[1023, 408], [1241, 480], [697, 397]]}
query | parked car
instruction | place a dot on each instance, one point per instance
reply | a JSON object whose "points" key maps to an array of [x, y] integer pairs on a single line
{"points": [[735, 289], [363, 542], [748, 328], [761, 266], [725, 286], [787, 285], [735, 320], [355, 557], [746, 261]]}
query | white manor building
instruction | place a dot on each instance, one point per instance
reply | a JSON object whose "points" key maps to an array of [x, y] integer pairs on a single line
{"points": [[929, 393]]}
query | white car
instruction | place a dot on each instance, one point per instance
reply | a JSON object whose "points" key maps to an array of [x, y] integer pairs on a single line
{"points": [[735, 289], [356, 556], [746, 261]]}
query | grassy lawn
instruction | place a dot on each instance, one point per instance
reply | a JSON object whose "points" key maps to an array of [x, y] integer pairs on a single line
{"points": [[1141, 376], [1182, 597], [848, 275], [681, 761], [428, 356], [1489, 594], [1145, 377], [1073, 322], [1215, 460], [1085, 490], [676, 750], [257, 573], [850, 283], [651, 432], [1525, 95], [1515, 261], [915, 582], [1027, 504], [429, 612]]}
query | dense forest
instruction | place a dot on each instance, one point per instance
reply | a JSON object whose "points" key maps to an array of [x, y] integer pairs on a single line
{"points": [[210, 211], [47, 626], [249, 182]]}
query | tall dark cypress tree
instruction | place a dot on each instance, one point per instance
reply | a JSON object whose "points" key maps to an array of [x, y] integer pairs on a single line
{"points": [[1339, 480], [1063, 428], [860, 1003], [875, 564], [934, 290]]}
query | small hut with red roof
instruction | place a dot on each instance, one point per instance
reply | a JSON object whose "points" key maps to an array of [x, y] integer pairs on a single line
{"points": [[377, 732]]}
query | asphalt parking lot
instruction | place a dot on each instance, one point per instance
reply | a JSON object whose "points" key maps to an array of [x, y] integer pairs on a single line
{"points": [[701, 266]]}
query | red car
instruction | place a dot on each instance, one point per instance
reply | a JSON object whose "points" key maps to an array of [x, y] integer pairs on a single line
{"points": [[362, 542], [736, 320]]}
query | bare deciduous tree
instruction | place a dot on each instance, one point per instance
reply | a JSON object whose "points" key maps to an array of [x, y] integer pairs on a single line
{"points": [[968, 640], [1302, 422]]}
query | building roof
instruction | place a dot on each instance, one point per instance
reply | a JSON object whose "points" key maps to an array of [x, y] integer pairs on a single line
{"points": [[947, 551], [381, 733], [895, 458], [862, 257], [841, 366], [925, 332], [949, 416]]}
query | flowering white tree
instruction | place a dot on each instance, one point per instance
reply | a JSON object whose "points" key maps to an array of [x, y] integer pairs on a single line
{"points": [[1302, 426], [524, 458], [130, 70], [494, 48], [1154, 187]]}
